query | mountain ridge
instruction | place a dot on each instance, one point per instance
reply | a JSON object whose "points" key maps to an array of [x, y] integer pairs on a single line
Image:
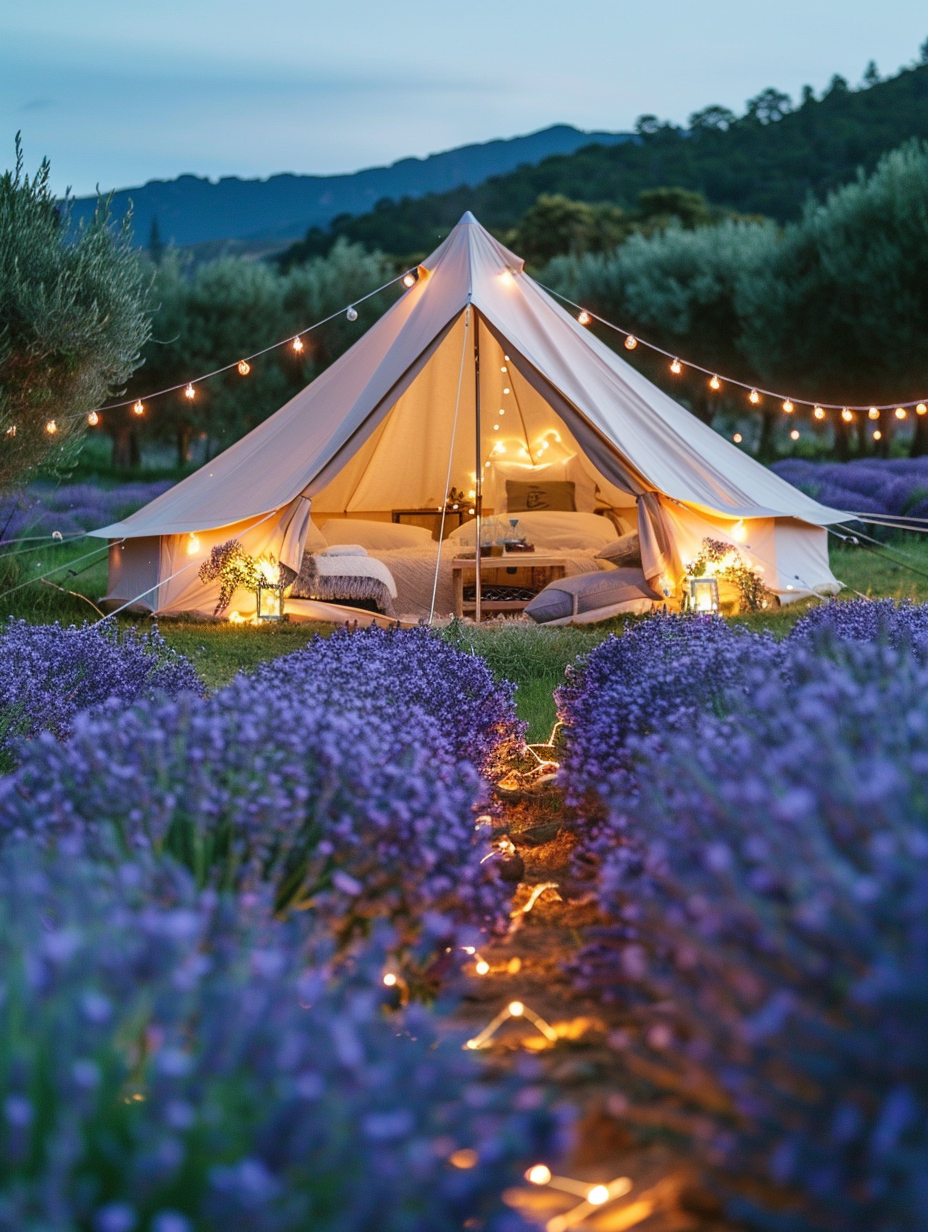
{"points": [[191, 209]]}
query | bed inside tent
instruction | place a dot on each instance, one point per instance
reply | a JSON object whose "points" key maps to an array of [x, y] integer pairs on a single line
{"points": [[475, 382]]}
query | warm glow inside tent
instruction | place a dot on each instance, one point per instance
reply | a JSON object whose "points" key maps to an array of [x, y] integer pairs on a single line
{"points": [[393, 424]]}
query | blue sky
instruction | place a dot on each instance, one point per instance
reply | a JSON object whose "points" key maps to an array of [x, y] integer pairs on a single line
{"points": [[117, 94]]}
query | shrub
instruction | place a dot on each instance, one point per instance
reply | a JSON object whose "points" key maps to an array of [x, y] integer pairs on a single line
{"points": [[655, 677], [766, 904], [393, 673], [343, 810], [867, 620], [49, 673], [169, 1064]]}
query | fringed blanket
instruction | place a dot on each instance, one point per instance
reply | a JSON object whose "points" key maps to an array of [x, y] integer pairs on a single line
{"points": [[342, 578]]}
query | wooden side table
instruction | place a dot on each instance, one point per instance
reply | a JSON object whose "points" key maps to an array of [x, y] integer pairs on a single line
{"points": [[431, 518], [542, 567]]}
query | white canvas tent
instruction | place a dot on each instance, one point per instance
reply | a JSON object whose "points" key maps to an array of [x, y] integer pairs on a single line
{"points": [[393, 421]]}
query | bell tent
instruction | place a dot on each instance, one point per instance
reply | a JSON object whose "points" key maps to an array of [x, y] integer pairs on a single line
{"points": [[475, 372]]}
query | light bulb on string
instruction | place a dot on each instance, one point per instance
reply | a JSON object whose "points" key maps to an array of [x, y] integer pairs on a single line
{"points": [[503, 369], [794, 435], [819, 412], [900, 412], [409, 280], [502, 410], [715, 383], [51, 427], [352, 313], [139, 409], [877, 434], [676, 367], [737, 438], [189, 393], [93, 419], [631, 342], [873, 413], [584, 318], [754, 397], [507, 390], [297, 344], [921, 409], [788, 407], [847, 415], [244, 367]]}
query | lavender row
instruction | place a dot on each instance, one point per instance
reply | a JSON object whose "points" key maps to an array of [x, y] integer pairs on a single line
{"points": [[175, 1060], [72, 508], [891, 487]]}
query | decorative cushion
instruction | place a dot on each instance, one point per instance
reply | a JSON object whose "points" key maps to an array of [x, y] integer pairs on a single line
{"points": [[530, 496], [375, 536], [625, 552], [551, 531], [567, 469], [587, 594]]}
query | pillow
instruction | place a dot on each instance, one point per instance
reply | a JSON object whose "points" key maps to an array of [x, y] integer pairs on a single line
{"points": [[588, 597], [375, 536], [344, 549], [554, 531], [569, 469], [537, 494], [624, 552]]}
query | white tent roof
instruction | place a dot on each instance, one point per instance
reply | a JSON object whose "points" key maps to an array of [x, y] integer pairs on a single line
{"points": [[412, 359]]}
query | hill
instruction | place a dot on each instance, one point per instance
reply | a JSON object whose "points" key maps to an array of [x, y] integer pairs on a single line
{"points": [[194, 210], [765, 162]]}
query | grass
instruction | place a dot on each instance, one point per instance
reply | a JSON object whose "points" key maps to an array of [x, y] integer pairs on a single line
{"points": [[532, 657]]}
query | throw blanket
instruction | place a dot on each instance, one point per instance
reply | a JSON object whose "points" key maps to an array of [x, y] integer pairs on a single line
{"points": [[339, 578]]}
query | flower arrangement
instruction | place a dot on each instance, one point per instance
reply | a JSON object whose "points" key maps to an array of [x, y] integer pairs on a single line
{"points": [[233, 567], [721, 560]]}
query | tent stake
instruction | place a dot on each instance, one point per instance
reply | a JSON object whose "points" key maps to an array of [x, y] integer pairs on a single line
{"points": [[478, 486]]}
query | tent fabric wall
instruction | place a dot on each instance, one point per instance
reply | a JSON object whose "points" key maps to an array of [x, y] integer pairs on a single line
{"points": [[374, 432]]}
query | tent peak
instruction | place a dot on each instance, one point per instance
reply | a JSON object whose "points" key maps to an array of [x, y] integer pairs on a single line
{"points": [[467, 219]]}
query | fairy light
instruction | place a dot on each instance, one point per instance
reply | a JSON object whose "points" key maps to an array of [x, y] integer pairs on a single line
{"points": [[409, 280], [465, 1158], [515, 1009], [51, 427], [877, 435], [873, 413], [591, 1198], [138, 407], [676, 367], [93, 419], [819, 413], [297, 344], [846, 415], [631, 342], [244, 367], [352, 313], [715, 383], [584, 318], [794, 435], [598, 1195], [189, 393], [788, 407], [193, 544], [754, 397], [900, 412], [921, 409], [390, 979], [737, 438], [482, 967], [538, 1174]]}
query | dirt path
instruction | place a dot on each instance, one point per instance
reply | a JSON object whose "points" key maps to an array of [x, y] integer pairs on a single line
{"points": [[617, 1142]]}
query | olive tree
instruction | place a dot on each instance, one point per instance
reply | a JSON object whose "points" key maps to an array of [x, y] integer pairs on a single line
{"points": [[74, 317]]}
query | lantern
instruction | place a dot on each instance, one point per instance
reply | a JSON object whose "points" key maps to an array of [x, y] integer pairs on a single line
{"points": [[270, 592], [701, 595]]}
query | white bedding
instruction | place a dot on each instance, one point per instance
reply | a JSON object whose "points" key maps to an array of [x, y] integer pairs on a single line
{"points": [[344, 564]]}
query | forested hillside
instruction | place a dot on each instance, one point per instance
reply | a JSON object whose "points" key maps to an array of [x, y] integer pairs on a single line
{"points": [[766, 161]]}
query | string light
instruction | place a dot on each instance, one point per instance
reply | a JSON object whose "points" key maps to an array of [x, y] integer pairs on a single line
{"points": [[676, 367], [900, 412], [298, 344], [93, 419], [584, 318], [754, 397], [244, 367], [591, 1196], [482, 967], [921, 409], [877, 435], [788, 407], [352, 313], [873, 413], [11, 430], [139, 409], [846, 415], [409, 280], [715, 383], [540, 1174], [189, 393], [737, 438], [389, 979], [794, 435], [193, 544], [507, 390], [51, 427], [515, 1009], [631, 342], [819, 413], [504, 368]]}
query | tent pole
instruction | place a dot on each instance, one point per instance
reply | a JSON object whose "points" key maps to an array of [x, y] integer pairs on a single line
{"points": [[478, 485]]}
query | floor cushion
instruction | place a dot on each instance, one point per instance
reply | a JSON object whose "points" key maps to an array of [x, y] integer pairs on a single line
{"points": [[588, 597]]}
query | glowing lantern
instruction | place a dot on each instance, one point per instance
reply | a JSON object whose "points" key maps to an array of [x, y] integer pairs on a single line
{"points": [[701, 595], [270, 591], [900, 412]]}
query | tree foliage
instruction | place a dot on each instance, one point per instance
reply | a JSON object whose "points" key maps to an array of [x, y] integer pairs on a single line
{"points": [[73, 319]]}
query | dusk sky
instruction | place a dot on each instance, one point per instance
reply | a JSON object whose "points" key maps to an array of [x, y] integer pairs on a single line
{"points": [[117, 94]]}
